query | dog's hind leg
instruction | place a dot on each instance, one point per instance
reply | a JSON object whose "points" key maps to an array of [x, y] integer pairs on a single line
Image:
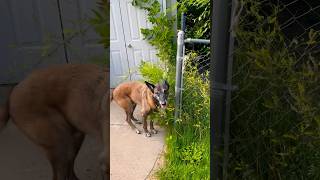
{"points": [[55, 136], [136, 121], [130, 122], [62, 156], [127, 105], [78, 138]]}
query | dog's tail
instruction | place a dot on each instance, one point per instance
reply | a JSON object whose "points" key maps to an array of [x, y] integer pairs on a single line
{"points": [[4, 109], [111, 95]]}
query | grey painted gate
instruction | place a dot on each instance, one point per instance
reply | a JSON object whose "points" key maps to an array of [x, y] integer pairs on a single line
{"points": [[37, 33]]}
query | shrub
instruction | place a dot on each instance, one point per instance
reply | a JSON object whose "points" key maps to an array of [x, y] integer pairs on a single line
{"points": [[275, 112], [154, 73]]}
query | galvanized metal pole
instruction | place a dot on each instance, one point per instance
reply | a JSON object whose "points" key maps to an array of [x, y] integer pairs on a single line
{"points": [[183, 29], [221, 10], [197, 41], [179, 62], [183, 22], [235, 5]]}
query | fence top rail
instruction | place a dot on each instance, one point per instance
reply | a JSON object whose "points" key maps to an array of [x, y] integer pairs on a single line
{"points": [[199, 41]]}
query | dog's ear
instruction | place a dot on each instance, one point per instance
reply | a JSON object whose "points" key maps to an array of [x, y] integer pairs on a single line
{"points": [[150, 86], [166, 84]]}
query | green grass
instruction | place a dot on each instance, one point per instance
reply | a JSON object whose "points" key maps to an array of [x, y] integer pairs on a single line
{"points": [[187, 156]]}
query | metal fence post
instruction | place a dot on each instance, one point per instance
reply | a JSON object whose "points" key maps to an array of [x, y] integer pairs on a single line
{"points": [[179, 62], [233, 23], [220, 25]]}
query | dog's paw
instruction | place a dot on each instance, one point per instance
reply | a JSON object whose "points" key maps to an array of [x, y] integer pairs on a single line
{"points": [[138, 131], [148, 134], [154, 131]]}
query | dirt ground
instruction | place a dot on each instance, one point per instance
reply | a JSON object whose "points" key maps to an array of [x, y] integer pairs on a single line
{"points": [[21, 159]]}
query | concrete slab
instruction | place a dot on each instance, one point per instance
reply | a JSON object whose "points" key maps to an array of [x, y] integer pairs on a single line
{"points": [[132, 155], [21, 159]]}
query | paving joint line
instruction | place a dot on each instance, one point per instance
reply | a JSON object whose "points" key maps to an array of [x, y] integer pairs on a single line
{"points": [[154, 164]]}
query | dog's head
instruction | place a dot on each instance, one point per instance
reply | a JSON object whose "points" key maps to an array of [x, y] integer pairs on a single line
{"points": [[160, 92]]}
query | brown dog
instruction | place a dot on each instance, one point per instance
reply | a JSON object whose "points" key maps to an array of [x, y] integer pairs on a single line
{"points": [[127, 95], [56, 107]]}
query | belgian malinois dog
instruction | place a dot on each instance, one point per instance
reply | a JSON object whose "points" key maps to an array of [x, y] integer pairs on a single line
{"points": [[129, 94], [56, 107]]}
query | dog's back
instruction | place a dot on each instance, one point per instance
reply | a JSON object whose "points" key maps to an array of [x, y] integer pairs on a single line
{"points": [[134, 90], [75, 91], [56, 106]]}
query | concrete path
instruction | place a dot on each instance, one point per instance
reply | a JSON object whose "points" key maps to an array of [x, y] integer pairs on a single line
{"points": [[21, 159], [133, 156]]}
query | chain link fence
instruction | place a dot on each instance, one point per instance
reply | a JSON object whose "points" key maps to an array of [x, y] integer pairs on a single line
{"points": [[273, 130], [192, 98], [192, 73]]}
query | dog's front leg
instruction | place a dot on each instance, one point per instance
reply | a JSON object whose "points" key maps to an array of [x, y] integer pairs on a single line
{"points": [[145, 125], [152, 128]]}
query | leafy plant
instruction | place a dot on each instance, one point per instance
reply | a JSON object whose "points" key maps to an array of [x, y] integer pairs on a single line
{"points": [[100, 21], [198, 19], [154, 73], [161, 34], [192, 153]]}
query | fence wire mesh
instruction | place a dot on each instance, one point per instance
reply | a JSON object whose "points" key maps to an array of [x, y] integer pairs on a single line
{"points": [[275, 113], [194, 84], [195, 104]]}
